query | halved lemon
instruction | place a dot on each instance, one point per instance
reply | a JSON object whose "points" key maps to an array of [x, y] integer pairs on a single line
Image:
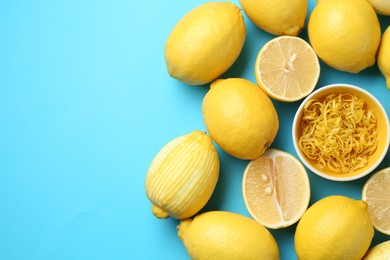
{"points": [[376, 193], [276, 189], [287, 68]]}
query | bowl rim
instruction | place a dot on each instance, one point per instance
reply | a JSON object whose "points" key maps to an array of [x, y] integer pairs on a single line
{"points": [[295, 125]]}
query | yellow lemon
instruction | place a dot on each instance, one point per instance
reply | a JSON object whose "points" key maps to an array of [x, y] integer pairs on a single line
{"points": [[376, 193], [205, 43], [334, 228], [225, 235], [182, 176], [280, 17], [379, 252], [240, 117], [381, 6], [345, 34], [287, 68], [384, 56], [276, 189]]}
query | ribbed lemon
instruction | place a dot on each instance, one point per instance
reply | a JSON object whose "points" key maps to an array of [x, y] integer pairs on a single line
{"points": [[345, 34], [379, 252], [228, 236], [240, 117], [384, 56], [205, 43], [280, 17], [335, 227], [182, 176]]}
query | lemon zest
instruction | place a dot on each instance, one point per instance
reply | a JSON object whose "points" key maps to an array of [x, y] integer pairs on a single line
{"points": [[338, 133]]}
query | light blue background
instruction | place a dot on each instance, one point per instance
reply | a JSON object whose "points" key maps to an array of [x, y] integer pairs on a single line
{"points": [[85, 104]]}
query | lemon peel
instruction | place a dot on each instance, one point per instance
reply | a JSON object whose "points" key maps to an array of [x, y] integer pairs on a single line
{"points": [[335, 227], [240, 117], [384, 56], [205, 43], [279, 17], [345, 34], [182, 176], [227, 235]]}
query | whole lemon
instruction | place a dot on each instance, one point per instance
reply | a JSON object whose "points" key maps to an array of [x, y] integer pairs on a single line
{"points": [[280, 17], [182, 176], [226, 235], [335, 227], [345, 34], [381, 6], [205, 43], [379, 252], [240, 117], [384, 56]]}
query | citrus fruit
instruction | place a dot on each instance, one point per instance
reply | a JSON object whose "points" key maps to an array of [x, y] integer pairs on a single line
{"points": [[384, 56], [276, 189], [287, 68], [345, 34], [381, 6], [379, 252], [333, 228], [376, 193], [226, 235], [240, 117], [205, 43], [280, 17], [182, 176]]}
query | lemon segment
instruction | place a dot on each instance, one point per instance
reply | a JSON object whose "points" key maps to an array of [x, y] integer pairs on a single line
{"points": [[287, 68], [333, 228], [182, 176], [240, 117], [376, 193], [226, 235], [279, 17], [384, 56], [205, 43], [276, 189], [379, 252], [345, 34]]}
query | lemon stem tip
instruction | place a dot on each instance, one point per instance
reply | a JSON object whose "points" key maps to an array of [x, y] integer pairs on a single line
{"points": [[159, 212]]}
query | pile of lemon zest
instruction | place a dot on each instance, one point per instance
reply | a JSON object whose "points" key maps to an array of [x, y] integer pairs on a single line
{"points": [[339, 133]]}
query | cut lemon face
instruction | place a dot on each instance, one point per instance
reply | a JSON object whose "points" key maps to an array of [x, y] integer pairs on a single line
{"points": [[287, 68], [376, 193], [276, 189]]}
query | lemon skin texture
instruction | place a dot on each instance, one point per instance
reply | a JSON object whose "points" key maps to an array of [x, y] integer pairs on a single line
{"points": [[384, 56], [379, 252], [225, 235], [205, 43], [334, 228], [182, 176], [240, 117], [279, 17], [345, 34]]}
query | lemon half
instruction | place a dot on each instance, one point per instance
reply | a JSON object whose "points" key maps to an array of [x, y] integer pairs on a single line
{"points": [[276, 189], [376, 192], [287, 68]]}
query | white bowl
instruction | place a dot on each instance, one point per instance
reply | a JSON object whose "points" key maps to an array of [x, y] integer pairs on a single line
{"points": [[383, 132]]}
